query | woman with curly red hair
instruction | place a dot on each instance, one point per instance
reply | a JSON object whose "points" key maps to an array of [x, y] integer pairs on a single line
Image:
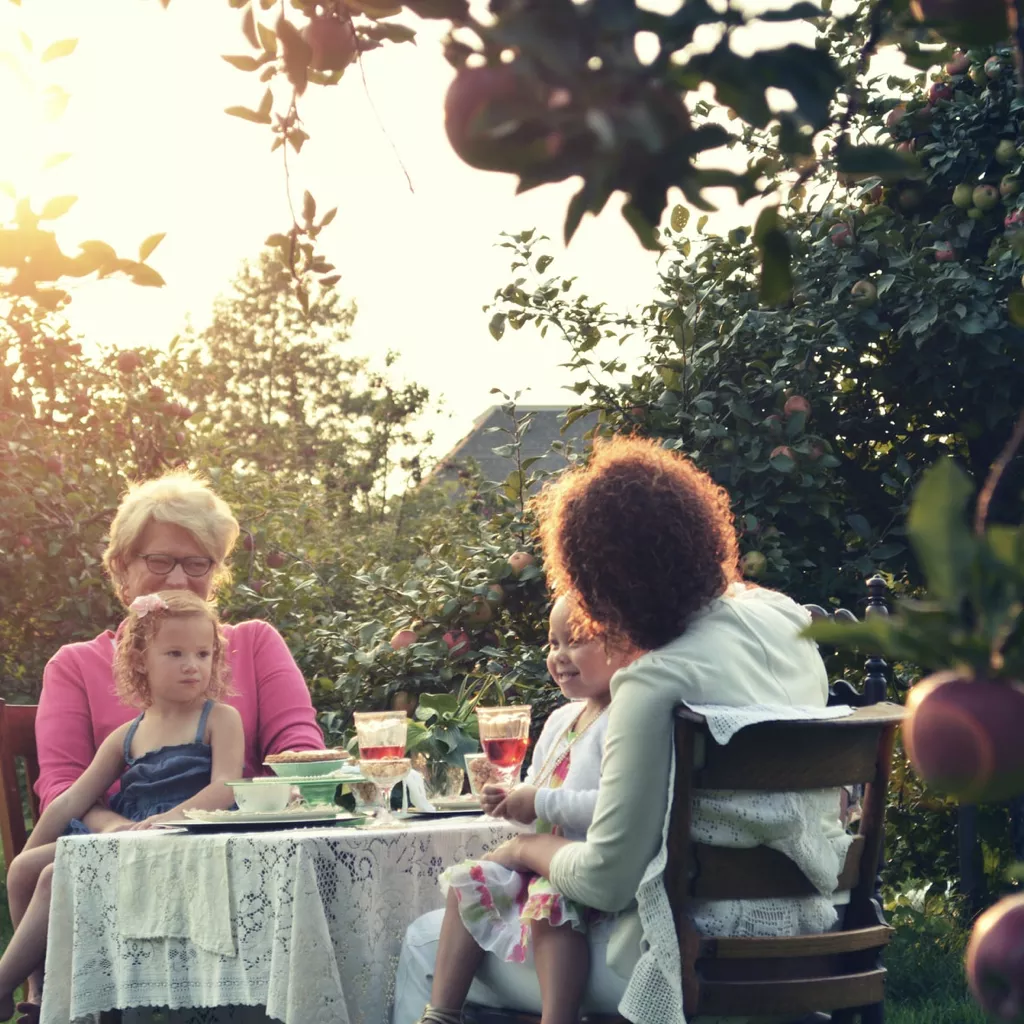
{"points": [[643, 542]]}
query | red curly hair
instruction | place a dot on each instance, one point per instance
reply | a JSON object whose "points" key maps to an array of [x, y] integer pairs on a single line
{"points": [[640, 538], [131, 680]]}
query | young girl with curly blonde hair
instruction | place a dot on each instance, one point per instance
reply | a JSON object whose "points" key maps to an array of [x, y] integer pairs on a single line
{"points": [[177, 754]]}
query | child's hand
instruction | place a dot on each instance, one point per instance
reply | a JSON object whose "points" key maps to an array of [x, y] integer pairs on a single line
{"points": [[156, 819], [519, 805], [492, 798]]}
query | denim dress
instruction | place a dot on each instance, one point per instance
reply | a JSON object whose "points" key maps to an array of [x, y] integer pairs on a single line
{"points": [[160, 779]]}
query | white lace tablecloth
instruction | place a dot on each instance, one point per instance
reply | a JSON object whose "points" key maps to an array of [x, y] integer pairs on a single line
{"points": [[316, 920]]}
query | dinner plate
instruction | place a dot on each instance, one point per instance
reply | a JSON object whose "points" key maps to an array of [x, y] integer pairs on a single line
{"points": [[245, 820], [457, 803], [453, 813]]}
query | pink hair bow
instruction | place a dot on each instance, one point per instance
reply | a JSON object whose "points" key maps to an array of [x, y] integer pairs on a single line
{"points": [[147, 603]]}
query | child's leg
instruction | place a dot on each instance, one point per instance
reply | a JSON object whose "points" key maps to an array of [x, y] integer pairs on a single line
{"points": [[562, 958], [27, 948], [21, 884], [458, 957]]}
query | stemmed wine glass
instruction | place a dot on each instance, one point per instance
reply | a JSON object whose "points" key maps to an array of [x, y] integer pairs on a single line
{"points": [[385, 773], [505, 735], [381, 734]]}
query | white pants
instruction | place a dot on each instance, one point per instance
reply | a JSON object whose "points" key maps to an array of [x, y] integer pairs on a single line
{"points": [[498, 983]]}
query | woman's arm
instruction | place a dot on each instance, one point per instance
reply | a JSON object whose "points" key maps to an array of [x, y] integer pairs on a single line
{"points": [[605, 870], [286, 716], [227, 747], [64, 736], [102, 772]]}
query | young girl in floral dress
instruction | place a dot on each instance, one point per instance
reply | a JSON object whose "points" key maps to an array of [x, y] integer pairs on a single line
{"points": [[510, 914], [178, 753]]}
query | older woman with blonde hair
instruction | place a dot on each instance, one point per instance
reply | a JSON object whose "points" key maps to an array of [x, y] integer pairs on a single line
{"points": [[172, 533]]}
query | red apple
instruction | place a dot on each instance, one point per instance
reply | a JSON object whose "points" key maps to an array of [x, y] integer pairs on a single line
{"points": [[993, 67], [895, 116], [1009, 186], [783, 450], [332, 41], [403, 638], [276, 559], [940, 92], [842, 236], [753, 564], [773, 423], [247, 541], [906, 148], [944, 253], [957, 64], [520, 560], [55, 465], [473, 92], [156, 394], [496, 594], [995, 960], [180, 437], [257, 586], [128, 361], [24, 540], [963, 736], [1013, 220], [797, 403], [457, 641]]}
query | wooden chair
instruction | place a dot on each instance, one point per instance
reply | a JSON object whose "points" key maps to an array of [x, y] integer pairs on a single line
{"points": [[17, 740], [841, 971]]}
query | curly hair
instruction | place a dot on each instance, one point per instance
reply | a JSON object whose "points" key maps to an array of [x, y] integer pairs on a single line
{"points": [[131, 680], [640, 537]]}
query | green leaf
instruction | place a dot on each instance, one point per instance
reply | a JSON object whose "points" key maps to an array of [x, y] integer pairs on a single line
{"points": [[798, 12], [877, 161], [243, 62], [57, 207], [268, 40], [776, 276], [680, 217], [308, 207], [62, 48], [54, 160], [497, 326], [938, 531], [266, 104], [248, 115], [142, 275], [149, 244]]}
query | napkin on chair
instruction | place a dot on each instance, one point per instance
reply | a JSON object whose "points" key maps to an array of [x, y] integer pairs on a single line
{"points": [[417, 790], [175, 887]]}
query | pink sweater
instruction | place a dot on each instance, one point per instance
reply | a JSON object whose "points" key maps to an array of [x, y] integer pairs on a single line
{"points": [[78, 708]]}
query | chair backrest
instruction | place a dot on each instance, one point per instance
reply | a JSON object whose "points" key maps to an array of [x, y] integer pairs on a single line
{"points": [[796, 975], [17, 742]]}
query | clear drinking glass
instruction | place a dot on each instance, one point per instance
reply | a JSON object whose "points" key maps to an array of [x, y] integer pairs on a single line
{"points": [[385, 773], [505, 735], [381, 734]]}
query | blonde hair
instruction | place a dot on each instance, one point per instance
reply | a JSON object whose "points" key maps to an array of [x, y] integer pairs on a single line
{"points": [[181, 499], [131, 680]]}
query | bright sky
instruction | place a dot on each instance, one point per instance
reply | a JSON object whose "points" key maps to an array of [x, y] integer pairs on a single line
{"points": [[153, 151]]}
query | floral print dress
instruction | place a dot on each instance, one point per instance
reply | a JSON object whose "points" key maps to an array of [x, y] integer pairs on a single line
{"points": [[497, 905]]}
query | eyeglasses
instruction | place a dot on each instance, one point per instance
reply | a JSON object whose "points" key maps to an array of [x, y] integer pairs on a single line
{"points": [[163, 565]]}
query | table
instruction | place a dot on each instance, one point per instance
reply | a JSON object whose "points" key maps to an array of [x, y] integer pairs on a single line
{"points": [[316, 918]]}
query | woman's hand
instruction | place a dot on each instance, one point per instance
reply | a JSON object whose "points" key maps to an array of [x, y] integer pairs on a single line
{"points": [[519, 805]]}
